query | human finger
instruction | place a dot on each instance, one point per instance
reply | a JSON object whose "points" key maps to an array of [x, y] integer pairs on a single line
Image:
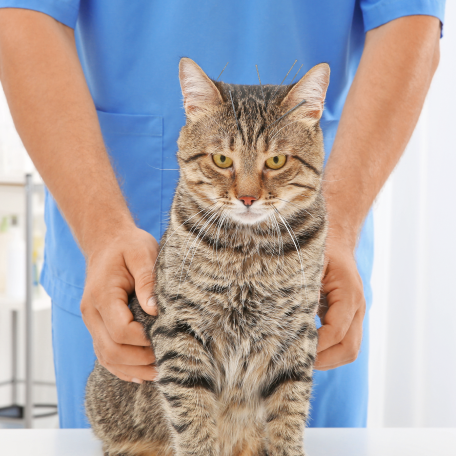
{"points": [[141, 266], [344, 296], [121, 325], [347, 350], [120, 374], [145, 373], [115, 316], [110, 351], [338, 320]]}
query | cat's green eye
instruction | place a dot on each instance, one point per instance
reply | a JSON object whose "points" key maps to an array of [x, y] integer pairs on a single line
{"points": [[276, 162], [222, 161]]}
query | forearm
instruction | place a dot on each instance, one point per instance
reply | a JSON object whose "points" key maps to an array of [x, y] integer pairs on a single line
{"points": [[56, 118], [380, 113]]}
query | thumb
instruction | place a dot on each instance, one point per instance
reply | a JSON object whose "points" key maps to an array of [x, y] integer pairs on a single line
{"points": [[144, 288], [142, 270]]}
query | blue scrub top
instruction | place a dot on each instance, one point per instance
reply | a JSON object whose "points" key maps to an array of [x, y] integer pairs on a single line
{"points": [[130, 51]]}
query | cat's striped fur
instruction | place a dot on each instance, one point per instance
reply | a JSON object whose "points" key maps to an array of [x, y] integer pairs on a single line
{"points": [[237, 287]]}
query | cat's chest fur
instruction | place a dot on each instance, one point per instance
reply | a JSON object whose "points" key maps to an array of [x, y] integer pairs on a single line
{"points": [[243, 304]]}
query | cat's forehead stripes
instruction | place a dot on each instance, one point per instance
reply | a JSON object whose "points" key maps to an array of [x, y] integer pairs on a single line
{"points": [[253, 108]]}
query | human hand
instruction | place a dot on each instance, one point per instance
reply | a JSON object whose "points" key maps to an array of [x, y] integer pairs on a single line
{"points": [[115, 269], [342, 331]]}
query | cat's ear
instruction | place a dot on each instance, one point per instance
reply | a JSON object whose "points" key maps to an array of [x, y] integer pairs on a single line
{"points": [[311, 88], [200, 93]]}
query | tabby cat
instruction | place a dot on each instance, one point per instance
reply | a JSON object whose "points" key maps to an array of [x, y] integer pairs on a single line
{"points": [[237, 281]]}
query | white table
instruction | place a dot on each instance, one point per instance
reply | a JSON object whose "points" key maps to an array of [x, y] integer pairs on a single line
{"points": [[319, 442]]}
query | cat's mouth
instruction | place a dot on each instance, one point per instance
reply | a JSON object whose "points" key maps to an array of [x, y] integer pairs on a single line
{"points": [[249, 215]]}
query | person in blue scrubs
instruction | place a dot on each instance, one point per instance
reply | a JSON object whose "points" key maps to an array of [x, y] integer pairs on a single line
{"points": [[129, 54]]}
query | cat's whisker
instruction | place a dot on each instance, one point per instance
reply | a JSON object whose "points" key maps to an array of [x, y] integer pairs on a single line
{"points": [[213, 212], [298, 250], [286, 114], [204, 217], [280, 246], [226, 225], [295, 205], [222, 219], [270, 244], [218, 226], [275, 235], [181, 268], [287, 125], [292, 234], [213, 241], [207, 211], [171, 235], [202, 233]]}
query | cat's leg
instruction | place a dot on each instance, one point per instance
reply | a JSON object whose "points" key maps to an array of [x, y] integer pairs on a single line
{"points": [[186, 378], [287, 397]]}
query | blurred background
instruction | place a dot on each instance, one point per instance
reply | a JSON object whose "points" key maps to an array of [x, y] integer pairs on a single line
{"points": [[413, 318]]}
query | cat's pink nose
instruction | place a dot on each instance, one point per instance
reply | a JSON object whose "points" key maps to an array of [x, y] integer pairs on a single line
{"points": [[247, 200]]}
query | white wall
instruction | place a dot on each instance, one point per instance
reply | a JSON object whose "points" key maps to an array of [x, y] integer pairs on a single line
{"points": [[413, 320], [14, 162]]}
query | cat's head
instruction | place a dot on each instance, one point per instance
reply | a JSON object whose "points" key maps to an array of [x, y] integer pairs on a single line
{"points": [[243, 150]]}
